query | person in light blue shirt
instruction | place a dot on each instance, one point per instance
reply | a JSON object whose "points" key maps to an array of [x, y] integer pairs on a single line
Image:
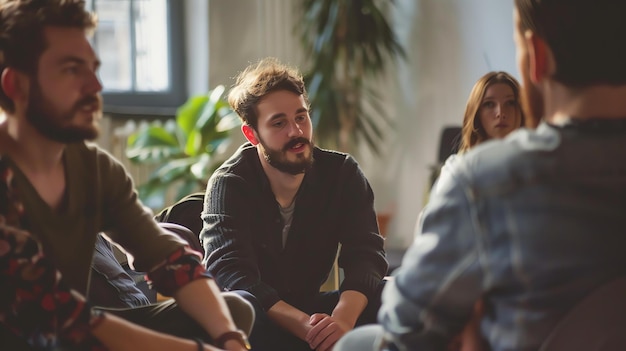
{"points": [[535, 222]]}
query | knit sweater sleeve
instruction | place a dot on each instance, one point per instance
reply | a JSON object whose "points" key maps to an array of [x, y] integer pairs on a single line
{"points": [[226, 237], [362, 254]]}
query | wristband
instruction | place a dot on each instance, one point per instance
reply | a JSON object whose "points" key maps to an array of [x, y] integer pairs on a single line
{"points": [[200, 344], [96, 318]]}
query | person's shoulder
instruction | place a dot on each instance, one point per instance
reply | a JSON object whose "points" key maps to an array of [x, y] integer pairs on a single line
{"points": [[88, 148], [327, 157], [241, 162], [94, 153], [335, 167], [505, 160], [92, 160]]}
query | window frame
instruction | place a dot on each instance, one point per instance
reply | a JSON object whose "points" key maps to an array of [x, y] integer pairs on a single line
{"points": [[156, 103]]}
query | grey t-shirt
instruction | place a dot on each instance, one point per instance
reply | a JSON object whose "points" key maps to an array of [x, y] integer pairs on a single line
{"points": [[287, 214]]}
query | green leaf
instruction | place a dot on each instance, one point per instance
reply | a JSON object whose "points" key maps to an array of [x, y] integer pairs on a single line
{"points": [[229, 121], [202, 168], [152, 135], [187, 115], [182, 148], [349, 43], [187, 188], [194, 143], [151, 145], [210, 109]]}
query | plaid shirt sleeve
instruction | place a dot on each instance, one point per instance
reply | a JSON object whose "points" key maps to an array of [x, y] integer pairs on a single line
{"points": [[180, 268], [432, 294]]}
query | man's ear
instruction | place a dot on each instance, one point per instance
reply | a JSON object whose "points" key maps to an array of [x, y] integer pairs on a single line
{"points": [[249, 133], [540, 59], [14, 84]]}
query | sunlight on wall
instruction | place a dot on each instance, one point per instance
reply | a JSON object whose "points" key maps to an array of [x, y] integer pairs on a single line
{"points": [[450, 44]]}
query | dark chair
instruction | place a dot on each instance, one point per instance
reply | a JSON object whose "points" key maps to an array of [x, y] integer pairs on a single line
{"points": [[185, 212], [114, 284], [449, 142], [184, 233]]}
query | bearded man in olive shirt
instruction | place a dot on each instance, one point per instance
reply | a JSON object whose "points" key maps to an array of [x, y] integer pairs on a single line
{"points": [[276, 212], [71, 190]]}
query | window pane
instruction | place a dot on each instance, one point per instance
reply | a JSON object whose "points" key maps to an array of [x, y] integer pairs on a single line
{"points": [[113, 44], [152, 42], [134, 42]]}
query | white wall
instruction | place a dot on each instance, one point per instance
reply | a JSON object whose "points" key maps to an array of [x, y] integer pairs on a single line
{"points": [[450, 44], [245, 31]]}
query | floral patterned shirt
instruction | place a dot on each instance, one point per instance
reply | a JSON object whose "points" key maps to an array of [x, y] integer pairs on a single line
{"points": [[36, 304]]}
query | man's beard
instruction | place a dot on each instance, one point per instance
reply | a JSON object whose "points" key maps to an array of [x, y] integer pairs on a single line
{"points": [[277, 159], [52, 124], [531, 101]]}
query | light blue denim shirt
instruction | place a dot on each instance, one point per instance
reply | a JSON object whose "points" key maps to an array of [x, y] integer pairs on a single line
{"points": [[531, 223]]}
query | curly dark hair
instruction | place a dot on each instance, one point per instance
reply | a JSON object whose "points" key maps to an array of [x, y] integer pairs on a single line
{"points": [[260, 79]]}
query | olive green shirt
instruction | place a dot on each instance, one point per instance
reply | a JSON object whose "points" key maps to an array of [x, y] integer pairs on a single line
{"points": [[99, 197]]}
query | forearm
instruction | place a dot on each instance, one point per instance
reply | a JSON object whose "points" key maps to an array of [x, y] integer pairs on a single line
{"points": [[350, 306], [201, 300], [326, 330], [290, 319], [136, 337], [362, 253], [182, 277]]}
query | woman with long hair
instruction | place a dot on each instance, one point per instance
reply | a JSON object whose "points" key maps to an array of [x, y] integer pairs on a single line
{"points": [[492, 110]]}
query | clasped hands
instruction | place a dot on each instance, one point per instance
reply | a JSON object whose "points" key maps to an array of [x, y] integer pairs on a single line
{"points": [[325, 331]]}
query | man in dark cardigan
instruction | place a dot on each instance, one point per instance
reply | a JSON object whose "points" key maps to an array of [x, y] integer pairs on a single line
{"points": [[278, 210]]}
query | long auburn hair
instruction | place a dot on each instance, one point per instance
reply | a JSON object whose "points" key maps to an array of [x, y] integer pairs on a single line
{"points": [[473, 132]]}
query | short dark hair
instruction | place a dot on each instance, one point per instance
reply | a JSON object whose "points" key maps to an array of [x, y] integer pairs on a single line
{"points": [[260, 79], [587, 38], [22, 24]]}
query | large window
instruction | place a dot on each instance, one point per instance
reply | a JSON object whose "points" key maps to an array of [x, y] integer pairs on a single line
{"points": [[140, 45]]}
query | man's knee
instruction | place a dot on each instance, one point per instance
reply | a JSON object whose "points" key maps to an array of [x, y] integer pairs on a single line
{"points": [[365, 338], [241, 309]]}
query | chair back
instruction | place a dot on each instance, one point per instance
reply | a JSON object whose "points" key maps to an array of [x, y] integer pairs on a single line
{"points": [[185, 212]]}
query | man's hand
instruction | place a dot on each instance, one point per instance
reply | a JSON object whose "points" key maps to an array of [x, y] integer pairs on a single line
{"points": [[470, 338], [325, 332]]}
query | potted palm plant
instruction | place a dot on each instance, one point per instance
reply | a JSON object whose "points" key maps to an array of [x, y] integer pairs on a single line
{"points": [[349, 43], [185, 150]]}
